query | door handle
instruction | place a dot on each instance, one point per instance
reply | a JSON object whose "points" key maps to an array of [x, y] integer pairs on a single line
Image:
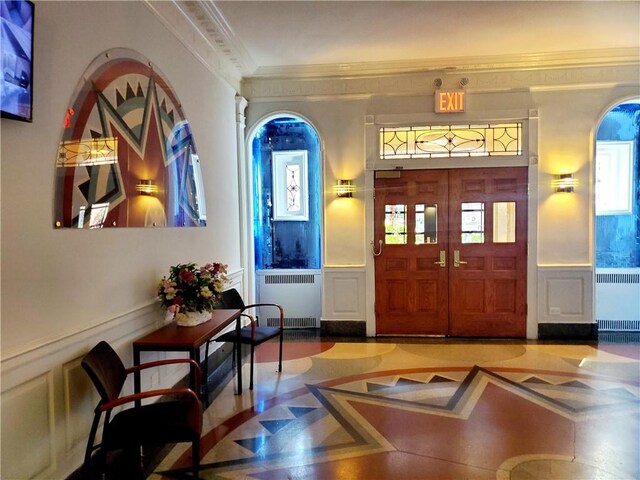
{"points": [[373, 249], [443, 259], [456, 259]]}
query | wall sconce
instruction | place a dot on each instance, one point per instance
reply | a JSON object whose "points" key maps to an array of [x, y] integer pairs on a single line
{"points": [[147, 187], [345, 189], [564, 183]]}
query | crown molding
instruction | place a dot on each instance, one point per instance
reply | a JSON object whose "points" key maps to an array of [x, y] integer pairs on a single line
{"points": [[489, 63], [424, 83], [196, 25], [203, 29], [212, 24]]}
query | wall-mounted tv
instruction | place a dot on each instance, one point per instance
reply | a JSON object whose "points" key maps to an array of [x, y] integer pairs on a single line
{"points": [[16, 54]]}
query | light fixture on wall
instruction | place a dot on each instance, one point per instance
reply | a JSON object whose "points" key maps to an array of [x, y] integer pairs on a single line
{"points": [[345, 188], [147, 187], [564, 183]]}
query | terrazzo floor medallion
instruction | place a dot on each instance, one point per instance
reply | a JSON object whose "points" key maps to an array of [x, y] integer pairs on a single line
{"points": [[426, 411]]}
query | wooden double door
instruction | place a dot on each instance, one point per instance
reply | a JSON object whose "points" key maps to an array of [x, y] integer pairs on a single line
{"points": [[451, 252]]}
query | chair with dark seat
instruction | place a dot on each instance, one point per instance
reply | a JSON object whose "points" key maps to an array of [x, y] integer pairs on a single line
{"points": [[253, 334], [176, 418]]}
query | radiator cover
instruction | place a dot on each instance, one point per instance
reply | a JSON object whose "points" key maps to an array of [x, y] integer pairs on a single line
{"points": [[299, 292], [618, 299]]}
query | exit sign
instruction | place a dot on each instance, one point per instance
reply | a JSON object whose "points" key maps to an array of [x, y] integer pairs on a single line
{"points": [[450, 101]]}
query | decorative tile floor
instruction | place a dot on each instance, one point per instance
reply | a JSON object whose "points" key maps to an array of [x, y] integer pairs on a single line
{"points": [[434, 410]]}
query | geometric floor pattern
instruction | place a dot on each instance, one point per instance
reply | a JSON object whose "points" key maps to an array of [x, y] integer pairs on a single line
{"points": [[353, 411]]}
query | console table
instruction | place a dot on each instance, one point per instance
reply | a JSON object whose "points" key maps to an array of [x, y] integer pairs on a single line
{"points": [[172, 338]]}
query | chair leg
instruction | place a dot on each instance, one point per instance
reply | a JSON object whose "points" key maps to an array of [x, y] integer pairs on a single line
{"points": [[136, 460], [102, 463], [204, 384], [251, 379], [280, 357], [85, 471], [233, 356], [195, 449]]}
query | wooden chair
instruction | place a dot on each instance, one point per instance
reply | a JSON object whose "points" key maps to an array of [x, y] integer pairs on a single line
{"points": [[178, 419], [254, 334]]}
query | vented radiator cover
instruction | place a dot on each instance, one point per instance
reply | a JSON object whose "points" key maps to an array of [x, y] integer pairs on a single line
{"points": [[298, 291], [618, 299]]}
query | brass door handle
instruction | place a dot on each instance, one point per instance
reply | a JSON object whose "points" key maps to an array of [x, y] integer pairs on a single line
{"points": [[456, 259], [443, 259]]}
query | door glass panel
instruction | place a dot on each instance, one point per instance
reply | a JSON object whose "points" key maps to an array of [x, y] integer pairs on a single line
{"points": [[504, 222], [472, 227], [426, 224], [395, 224]]}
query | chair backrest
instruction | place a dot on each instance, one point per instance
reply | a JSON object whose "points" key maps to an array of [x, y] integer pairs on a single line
{"points": [[106, 371], [231, 299]]}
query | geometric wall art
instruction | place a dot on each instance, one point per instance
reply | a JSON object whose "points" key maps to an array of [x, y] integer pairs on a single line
{"points": [[127, 157]]}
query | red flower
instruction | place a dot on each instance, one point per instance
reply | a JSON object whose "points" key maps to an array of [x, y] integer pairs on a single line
{"points": [[186, 276], [178, 301]]}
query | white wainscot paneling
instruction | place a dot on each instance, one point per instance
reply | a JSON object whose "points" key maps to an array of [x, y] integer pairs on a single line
{"points": [[27, 429], [80, 400], [48, 400], [344, 293], [565, 295]]}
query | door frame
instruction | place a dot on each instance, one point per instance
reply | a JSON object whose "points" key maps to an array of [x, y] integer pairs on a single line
{"points": [[529, 158]]}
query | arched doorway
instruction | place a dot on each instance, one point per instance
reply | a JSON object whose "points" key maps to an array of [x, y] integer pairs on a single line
{"points": [[617, 221], [287, 217]]}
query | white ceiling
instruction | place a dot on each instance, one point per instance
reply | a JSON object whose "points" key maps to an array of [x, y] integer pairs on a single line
{"points": [[267, 37]]}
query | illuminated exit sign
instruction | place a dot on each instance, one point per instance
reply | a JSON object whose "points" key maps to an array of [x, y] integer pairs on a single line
{"points": [[450, 101]]}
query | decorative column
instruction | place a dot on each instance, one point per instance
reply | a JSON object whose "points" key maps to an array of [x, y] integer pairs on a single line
{"points": [[245, 209]]}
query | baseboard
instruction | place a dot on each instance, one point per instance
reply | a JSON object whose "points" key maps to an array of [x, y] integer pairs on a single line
{"points": [[568, 331], [343, 328]]}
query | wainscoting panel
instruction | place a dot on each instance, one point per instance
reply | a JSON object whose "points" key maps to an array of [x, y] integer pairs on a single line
{"points": [[80, 400], [565, 295], [28, 439], [344, 297]]}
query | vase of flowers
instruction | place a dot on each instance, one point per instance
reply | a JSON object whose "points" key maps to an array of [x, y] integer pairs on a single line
{"points": [[190, 293]]}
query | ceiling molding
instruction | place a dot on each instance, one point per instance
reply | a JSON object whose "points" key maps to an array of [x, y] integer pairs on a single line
{"points": [[203, 29], [211, 23], [423, 83], [182, 20], [493, 63]]}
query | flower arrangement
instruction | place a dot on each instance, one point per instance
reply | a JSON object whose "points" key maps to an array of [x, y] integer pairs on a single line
{"points": [[190, 288]]}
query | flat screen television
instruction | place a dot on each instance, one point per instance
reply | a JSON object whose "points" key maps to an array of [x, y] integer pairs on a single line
{"points": [[16, 54]]}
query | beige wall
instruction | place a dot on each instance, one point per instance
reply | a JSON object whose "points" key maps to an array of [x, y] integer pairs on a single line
{"points": [[568, 123], [63, 290], [563, 106]]}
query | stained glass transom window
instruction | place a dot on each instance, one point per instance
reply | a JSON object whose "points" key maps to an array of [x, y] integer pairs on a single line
{"points": [[438, 141]]}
